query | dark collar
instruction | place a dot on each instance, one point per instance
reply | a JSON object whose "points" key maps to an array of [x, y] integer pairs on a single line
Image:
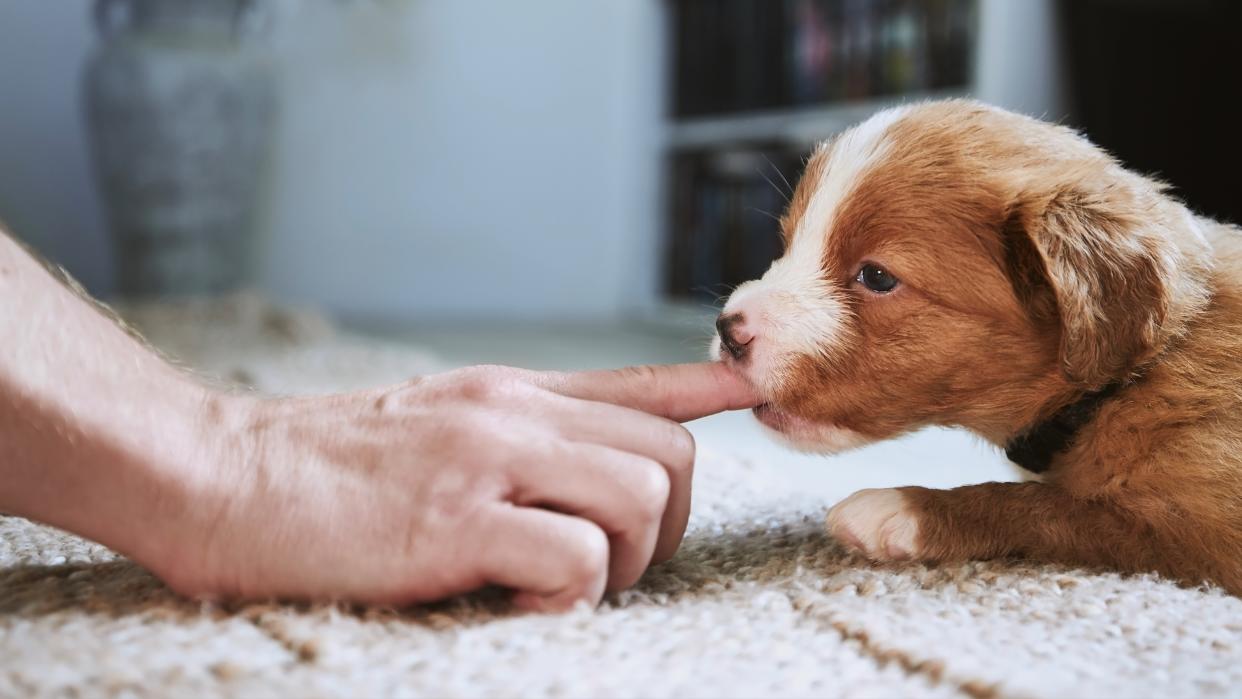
{"points": [[1035, 449]]}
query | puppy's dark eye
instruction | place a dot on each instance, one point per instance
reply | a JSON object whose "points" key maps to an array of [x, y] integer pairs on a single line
{"points": [[876, 279]]}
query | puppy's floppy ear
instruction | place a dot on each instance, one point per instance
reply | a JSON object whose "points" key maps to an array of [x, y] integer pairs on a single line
{"points": [[1110, 274]]}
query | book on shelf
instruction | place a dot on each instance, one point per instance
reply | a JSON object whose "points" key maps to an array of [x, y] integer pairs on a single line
{"points": [[741, 55]]}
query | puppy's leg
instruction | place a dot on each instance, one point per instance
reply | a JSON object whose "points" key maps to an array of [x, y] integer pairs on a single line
{"points": [[1031, 520]]}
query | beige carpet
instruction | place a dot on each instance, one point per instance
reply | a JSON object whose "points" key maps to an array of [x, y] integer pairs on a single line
{"points": [[757, 603]]}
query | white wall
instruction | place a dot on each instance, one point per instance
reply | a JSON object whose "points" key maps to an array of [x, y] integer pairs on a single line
{"points": [[469, 158], [47, 195], [1018, 62]]}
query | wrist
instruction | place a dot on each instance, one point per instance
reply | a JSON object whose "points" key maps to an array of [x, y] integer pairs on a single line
{"points": [[193, 484], [149, 475]]}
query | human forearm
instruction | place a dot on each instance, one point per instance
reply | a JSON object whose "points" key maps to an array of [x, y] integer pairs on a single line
{"points": [[98, 435]]}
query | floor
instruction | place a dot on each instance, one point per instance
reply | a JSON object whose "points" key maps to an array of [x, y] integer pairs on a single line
{"points": [[932, 457], [756, 603]]}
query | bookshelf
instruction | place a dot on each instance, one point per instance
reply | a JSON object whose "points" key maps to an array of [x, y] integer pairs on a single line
{"points": [[754, 84], [794, 125]]}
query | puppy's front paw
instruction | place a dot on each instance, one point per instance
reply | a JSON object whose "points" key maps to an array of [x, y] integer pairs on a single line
{"points": [[878, 523]]}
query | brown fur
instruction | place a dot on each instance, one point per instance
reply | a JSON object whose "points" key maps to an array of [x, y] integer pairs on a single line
{"points": [[802, 195], [1033, 269]]}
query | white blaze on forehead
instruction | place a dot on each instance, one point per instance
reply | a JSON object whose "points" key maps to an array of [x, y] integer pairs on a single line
{"points": [[798, 308], [853, 153]]}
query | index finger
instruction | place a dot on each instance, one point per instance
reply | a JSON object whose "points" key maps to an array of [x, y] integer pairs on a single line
{"points": [[680, 392]]}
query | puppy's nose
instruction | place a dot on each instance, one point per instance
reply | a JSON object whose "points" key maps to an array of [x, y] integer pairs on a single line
{"points": [[734, 334]]}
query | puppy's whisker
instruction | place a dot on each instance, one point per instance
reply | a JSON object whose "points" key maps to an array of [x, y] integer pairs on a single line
{"points": [[780, 174], [778, 189], [769, 214], [719, 299], [722, 299]]}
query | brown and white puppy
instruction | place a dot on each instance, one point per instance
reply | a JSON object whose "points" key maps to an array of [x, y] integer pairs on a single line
{"points": [[951, 263]]}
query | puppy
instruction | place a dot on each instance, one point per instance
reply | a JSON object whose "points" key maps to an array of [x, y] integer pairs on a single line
{"points": [[951, 263]]}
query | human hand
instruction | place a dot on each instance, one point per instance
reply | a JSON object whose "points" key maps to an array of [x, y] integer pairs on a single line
{"points": [[557, 485]]}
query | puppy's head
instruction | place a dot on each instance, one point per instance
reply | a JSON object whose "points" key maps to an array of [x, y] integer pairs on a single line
{"points": [[952, 263]]}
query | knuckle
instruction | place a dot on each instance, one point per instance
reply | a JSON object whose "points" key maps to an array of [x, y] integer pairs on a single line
{"points": [[400, 397], [462, 432], [589, 554], [480, 384], [491, 384], [412, 383], [651, 488], [681, 447]]}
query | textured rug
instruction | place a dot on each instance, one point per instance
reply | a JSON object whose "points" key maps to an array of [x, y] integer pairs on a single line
{"points": [[757, 603]]}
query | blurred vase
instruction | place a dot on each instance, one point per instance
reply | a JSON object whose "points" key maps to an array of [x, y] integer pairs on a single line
{"points": [[179, 104]]}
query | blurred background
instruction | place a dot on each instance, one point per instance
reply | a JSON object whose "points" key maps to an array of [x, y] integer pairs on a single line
{"points": [[546, 183], [459, 161]]}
